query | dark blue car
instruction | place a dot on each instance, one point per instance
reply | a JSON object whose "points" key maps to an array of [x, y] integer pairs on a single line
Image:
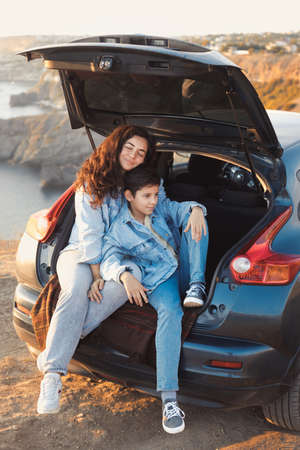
{"points": [[217, 145]]}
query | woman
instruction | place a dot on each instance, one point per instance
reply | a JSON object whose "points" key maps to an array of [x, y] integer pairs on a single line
{"points": [[98, 200]]}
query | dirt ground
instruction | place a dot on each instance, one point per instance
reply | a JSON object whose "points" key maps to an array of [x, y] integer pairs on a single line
{"points": [[100, 415]]}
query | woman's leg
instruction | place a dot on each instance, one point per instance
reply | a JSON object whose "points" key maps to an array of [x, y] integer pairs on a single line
{"points": [[75, 315], [113, 297], [68, 318], [192, 259], [166, 300]]}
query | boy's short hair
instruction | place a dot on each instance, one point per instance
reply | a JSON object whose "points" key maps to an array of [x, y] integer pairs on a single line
{"points": [[141, 176]]}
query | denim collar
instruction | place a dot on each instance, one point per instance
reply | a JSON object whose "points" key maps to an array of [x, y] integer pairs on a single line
{"points": [[126, 216]]}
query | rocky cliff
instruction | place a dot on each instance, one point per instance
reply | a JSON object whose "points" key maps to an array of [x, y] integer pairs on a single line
{"points": [[45, 141], [48, 142]]}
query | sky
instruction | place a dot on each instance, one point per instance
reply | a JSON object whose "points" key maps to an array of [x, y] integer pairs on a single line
{"points": [[160, 17]]}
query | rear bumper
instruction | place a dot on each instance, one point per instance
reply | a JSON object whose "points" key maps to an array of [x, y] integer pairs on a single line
{"points": [[258, 382]]}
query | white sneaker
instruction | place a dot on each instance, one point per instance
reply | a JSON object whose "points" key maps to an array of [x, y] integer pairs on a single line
{"points": [[195, 295], [48, 402], [173, 418]]}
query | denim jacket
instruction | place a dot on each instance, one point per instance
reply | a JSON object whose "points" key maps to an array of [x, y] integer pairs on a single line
{"points": [[91, 224], [128, 239]]}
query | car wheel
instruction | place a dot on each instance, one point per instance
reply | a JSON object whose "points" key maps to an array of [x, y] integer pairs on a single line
{"points": [[285, 411]]}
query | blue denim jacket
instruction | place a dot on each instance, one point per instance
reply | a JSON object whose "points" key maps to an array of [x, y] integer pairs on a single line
{"points": [[129, 239], [91, 224]]}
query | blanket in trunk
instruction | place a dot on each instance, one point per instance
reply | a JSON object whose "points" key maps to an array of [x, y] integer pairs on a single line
{"points": [[130, 330]]}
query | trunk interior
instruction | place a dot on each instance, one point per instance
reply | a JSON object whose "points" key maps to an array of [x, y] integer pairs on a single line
{"points": [[229, 194], [227, 191]]}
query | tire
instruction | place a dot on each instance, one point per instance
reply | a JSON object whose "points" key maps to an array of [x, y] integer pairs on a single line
{"points": [[285, 411]]}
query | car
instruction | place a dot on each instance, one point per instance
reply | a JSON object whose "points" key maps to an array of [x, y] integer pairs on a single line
{"points": [[215, 144]]}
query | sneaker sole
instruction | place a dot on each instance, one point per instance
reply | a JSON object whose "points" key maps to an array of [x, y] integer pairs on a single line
{"points": [[45, 411], [174, 430], [192, 302]]}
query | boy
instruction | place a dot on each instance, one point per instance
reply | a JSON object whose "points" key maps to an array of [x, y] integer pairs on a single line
{"points": [[146, 236]]}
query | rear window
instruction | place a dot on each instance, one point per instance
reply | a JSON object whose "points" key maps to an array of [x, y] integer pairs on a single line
{"points": [[203, 96]]}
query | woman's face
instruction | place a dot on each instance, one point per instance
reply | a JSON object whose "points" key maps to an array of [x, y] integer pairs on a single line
{"points": [[133, 152]]}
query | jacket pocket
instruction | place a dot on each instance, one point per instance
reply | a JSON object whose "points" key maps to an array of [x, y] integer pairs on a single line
{"points": [[147, 251]]}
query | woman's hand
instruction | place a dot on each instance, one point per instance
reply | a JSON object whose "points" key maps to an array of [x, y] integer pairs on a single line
{"points": [[94, 293], [196, 223], [136, 292]]}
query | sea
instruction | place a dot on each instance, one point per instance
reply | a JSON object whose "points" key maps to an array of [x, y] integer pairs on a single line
{"points": [[20, 191]]}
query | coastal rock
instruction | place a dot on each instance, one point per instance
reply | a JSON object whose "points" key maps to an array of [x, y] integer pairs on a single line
{"points": [[23, 99], [47, 92], [56, 175], [46, 141], [12, 132]]}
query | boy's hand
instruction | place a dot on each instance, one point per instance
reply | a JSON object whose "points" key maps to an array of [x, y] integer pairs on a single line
{"points": [[94, 293], [196, 223], [136, 292]]}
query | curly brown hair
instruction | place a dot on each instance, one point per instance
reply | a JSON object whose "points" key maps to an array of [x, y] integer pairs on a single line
{"points": [[101, 173]]}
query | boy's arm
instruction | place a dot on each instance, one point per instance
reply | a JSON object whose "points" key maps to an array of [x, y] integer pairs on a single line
{"points": [[196, 223], [112, 268], [112, 262], [177, 211]]}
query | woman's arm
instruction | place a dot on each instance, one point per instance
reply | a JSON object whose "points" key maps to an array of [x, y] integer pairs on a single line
{"points": [[91, 228], [97, 285]]}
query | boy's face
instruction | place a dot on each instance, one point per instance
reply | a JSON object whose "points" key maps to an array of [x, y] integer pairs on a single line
{"points": [[144, 201]]}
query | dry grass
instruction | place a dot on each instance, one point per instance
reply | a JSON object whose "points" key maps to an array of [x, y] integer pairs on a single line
{"points": [[279, 93]]}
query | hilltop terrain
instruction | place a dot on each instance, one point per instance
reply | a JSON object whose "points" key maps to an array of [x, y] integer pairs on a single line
{"points": [[275, 77]]}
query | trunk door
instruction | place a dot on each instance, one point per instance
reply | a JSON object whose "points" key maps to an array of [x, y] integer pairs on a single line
{"points": [[180, 90]]}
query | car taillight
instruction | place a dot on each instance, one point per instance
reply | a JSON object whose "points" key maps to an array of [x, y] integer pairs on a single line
{"points": [[259, 264], [42, 223], [37, 225]]}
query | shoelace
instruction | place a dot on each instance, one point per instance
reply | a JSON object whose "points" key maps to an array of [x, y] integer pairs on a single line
{"points": [[197, 289], [50, 387], [171, 409]]}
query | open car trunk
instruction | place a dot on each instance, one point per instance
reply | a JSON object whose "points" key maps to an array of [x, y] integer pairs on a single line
{"points": [[233, 204], [196, 103]]}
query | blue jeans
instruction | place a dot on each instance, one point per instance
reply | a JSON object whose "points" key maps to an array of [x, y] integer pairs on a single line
{"points": [[75, 316], [166, 299], [192, 259]]}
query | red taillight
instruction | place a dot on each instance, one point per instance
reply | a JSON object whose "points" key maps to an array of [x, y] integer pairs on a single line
{"points": [[38, 225], [42, 223], [225, 364], [260, 264]]}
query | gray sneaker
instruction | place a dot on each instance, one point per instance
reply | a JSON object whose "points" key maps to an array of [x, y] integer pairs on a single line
{"points": [[173, 416], [195, 295], [48, 402]]}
